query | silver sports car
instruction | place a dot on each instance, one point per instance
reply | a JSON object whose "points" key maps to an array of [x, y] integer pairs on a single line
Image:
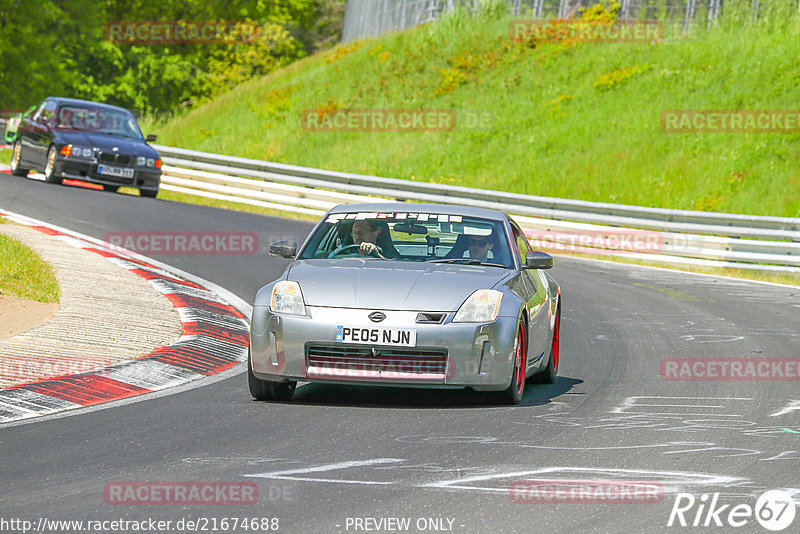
{"points": [[418, 295]]}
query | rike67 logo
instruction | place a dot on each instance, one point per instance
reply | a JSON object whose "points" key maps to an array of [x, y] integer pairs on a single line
{"points": [[774, 511]]}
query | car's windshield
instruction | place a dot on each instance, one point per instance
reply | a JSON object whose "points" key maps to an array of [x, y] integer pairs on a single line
{"points": [[411, 236], [97, 120]]}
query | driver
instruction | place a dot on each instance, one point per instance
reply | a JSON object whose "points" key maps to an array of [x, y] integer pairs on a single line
{"points": [[368, 234]]}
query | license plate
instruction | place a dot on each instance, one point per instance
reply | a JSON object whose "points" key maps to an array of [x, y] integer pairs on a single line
{"points": [[376, 336], [114, 171]]}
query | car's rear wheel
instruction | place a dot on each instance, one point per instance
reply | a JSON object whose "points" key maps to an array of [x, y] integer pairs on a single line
{"points": [[513, 395], [149, 193], [265, 390], [50, 167], [111, 188], [548, 375], [16, 158]]}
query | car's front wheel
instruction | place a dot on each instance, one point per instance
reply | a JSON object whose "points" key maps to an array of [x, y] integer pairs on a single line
{"points": [[149, 193], [50, 167], [16, 158], [265, 390], [513, 395]]}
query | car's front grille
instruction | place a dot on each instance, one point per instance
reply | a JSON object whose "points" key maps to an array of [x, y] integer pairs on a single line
{"points": [[116, 159], [365, 362]]}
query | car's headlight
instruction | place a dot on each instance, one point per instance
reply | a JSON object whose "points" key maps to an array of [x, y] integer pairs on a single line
{"points": [[287, 298], [142, 161], [77, 151], [480, 307]]}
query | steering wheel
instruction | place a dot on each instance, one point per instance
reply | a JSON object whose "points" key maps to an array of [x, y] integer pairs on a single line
{"points": [[339, 250]]}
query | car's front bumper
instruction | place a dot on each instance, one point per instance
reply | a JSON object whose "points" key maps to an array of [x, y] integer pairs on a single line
{"points": [[446, 355], [87, 171]]}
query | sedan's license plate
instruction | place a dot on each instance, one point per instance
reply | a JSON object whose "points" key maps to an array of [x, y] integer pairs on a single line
{"points": [[376, 336], [114, 171]]}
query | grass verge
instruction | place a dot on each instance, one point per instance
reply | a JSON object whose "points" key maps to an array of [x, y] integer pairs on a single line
{"points": [[24, 274], [566, 120]]}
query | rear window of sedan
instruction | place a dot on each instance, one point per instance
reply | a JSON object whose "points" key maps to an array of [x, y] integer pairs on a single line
{"points": [[412, 237]]}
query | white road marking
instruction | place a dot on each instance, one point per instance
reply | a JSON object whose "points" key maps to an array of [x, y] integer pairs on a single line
{"points": [[673, 481], [290, 474], [794, 405], [631, 405]]}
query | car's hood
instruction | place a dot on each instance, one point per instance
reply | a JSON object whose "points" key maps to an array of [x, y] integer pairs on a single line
{"points": [[107, 143], [391, 285]]}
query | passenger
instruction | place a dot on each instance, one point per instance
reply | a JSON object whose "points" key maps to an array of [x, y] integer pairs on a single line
{"points": [[479, 247], [370, 235]]}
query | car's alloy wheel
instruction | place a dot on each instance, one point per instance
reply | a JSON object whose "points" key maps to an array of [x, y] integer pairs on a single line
{"points": [[16, 157], [513, 395], [548, 375], [50, 167], [265, 390]]}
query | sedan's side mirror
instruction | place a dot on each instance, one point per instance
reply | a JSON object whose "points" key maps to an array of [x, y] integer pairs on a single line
{"points": [[151, 138], [285, 249], [538, 260]]}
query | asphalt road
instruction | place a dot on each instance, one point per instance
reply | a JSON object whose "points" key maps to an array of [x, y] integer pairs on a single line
{"points": [[444, 460]]}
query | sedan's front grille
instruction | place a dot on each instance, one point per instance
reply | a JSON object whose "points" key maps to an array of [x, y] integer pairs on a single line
{"points": [[364, 362], [116, 159]]}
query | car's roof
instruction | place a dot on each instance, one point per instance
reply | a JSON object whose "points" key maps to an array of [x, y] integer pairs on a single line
{"points": [[63, 100], [405, 207]]}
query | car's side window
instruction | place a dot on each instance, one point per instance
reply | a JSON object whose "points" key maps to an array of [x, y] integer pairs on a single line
{"points": [[39, 111], [521, 244], [47, 114]]}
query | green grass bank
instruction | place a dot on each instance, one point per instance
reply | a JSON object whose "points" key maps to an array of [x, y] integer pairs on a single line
{"points": [[571, 120]]}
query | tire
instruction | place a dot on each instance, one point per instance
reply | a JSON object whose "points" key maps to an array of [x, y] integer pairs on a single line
{"points": [[513, 395], [16, 156], [148, 193], [266, 390], [50, 167], [548, 375], [111, 188]]}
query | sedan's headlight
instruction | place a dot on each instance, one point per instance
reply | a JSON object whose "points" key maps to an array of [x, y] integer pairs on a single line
{"points": [[287, 298], [142, 161], [77, 151], [482, 306]]}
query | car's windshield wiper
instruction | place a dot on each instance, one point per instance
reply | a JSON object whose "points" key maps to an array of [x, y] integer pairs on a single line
{"points": [[466, 261]]}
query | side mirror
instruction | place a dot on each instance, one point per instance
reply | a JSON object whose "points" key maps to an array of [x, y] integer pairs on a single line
{"points": [[538, 260], [285, 249], [151, 138]]}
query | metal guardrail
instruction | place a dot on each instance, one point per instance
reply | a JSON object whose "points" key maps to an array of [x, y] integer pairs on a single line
{"points": [[677, 236]]}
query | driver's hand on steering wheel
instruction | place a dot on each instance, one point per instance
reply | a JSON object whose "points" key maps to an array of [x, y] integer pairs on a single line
{"points": [[366, 248]]}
